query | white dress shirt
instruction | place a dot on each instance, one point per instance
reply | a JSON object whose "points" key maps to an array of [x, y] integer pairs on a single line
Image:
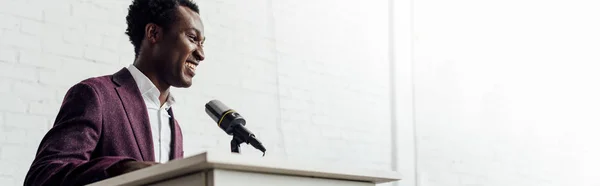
{"points": [[158, 115]]}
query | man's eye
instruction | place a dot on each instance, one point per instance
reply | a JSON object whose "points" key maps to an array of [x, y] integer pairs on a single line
{"points": [[193, 37]]}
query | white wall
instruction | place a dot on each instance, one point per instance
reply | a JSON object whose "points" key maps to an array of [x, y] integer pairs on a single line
{"points": [[488, 93], [506, 92], [311, 77]]}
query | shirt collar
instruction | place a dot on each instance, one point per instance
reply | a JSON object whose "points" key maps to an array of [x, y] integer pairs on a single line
{"points": [[147, 88]]}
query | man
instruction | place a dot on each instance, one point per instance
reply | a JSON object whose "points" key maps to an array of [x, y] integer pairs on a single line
{"points": [[118, 123]]}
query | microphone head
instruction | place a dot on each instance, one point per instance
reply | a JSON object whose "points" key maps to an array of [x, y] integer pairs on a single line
{"points": [[215, 109], [225, 117]]}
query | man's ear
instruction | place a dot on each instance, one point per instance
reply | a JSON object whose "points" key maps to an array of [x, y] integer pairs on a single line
{"points": [[153, 32]]}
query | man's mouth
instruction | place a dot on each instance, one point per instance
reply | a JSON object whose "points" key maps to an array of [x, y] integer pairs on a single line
{"points": [[191, 66]]}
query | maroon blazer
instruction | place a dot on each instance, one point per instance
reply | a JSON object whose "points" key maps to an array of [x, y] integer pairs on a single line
{"points": [[102, 121]]}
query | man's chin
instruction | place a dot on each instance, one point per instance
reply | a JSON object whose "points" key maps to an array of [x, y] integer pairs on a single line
{"points": [[183, 83], [181, 80]]}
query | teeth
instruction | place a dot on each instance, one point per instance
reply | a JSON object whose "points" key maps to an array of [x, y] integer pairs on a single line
{"points": [[191, 65]]}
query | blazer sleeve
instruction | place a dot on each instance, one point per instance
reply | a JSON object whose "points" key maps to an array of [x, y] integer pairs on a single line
{"points": [[63, 156]]}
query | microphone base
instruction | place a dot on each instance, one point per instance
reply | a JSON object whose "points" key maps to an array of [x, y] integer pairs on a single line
{"points": [[236, 142], [235, 145]]}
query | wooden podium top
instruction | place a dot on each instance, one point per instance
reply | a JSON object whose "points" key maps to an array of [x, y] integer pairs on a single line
{"points": [[230, 161]]}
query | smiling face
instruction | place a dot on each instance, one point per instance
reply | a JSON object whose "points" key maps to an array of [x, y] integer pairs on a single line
{"points": [[179, 50]]}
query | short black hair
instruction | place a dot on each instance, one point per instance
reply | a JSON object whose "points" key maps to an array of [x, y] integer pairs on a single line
{"points": [[160, 12]]}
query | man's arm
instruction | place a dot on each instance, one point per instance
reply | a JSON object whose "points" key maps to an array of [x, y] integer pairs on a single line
{"points": [[63, 157]]}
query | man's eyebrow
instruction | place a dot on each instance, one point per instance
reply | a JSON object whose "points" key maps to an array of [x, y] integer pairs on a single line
{"points": [[194, 29]]}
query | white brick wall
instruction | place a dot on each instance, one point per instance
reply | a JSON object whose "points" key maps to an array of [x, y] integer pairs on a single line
{"points": [[312, 83]]}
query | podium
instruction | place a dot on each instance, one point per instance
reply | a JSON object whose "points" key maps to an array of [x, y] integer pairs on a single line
{"points": [[229, 169]]}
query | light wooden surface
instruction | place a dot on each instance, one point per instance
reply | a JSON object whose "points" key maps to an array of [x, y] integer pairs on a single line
{"points": [[207, 161]]}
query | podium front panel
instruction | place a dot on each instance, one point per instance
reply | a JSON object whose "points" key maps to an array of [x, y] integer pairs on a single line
{"points": [[220, 177], [196, 179]]}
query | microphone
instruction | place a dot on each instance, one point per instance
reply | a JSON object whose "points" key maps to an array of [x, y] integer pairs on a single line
{"points": [[233, 124]]}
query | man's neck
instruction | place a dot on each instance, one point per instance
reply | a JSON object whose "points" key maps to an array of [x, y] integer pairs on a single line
{"points": [[149, 72]]}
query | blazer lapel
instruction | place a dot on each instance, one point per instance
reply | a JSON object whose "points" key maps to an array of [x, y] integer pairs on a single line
{"points": [[136, 111]]}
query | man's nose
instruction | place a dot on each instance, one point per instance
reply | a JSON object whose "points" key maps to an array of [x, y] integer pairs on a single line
{"points": [[199, 54]]}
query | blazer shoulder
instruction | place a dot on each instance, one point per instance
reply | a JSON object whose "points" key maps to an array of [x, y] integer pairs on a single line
{"points": [[98, 81], [97, 86]]}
